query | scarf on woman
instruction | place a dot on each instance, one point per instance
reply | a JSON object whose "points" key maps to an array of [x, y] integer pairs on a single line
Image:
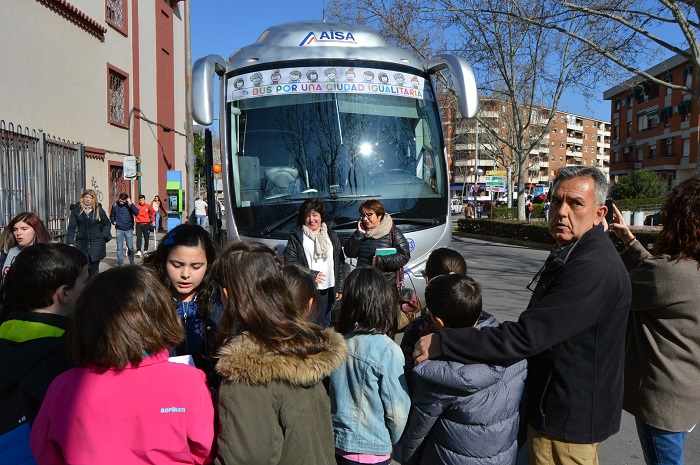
{"points": [[383, 228], [321, 241]]}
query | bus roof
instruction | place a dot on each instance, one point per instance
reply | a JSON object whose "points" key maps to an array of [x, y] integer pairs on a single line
{"points": [[305, 40]]}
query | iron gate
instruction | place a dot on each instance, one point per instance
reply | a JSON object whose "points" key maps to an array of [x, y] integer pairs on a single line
{"points": [[41, 174]]}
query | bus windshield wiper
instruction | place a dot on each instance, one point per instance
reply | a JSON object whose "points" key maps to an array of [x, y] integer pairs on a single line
{"points": [[425, 221], [275, 226]]}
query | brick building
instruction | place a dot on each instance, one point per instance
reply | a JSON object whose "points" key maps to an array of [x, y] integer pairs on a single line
{"points": [[571, 140], [655, 128], [107, 74]]}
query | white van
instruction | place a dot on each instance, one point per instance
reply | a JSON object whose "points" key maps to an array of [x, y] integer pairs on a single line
{"points": [[456, 206]]}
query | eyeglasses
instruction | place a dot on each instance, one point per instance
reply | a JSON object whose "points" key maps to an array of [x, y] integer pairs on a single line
{"points": [[535, 279], [367, 215]]}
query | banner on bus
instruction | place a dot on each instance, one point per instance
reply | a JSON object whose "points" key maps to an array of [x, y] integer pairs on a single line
{"points": [[327, 79]]}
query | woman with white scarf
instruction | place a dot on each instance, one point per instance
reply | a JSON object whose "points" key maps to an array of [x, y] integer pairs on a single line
{"points": [[318, 249]]}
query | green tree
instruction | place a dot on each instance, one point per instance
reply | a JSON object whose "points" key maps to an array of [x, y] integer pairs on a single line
{"points": [[641, 184], [199, 163]]}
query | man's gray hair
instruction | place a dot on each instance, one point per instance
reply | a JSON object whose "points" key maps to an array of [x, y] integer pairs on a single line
{"points": [[601, 184]]}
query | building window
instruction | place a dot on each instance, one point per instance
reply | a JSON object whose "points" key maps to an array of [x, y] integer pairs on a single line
{"points": [[116, 15], [117, 96], [552, 158]]}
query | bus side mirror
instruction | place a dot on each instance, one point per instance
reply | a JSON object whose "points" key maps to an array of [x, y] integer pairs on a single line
{"points": [[463, 81], [203, 72]]}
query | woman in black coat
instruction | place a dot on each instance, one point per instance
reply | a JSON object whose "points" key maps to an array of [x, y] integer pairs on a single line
{"points": [[89, 229], [376, 230], [316, 247]]}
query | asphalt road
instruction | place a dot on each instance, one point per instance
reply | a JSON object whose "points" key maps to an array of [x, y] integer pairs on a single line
{"points": [[503, 271]]}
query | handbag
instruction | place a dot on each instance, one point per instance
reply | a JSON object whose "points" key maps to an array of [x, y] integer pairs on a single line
{"points": [[409, 301], [108, 237]]}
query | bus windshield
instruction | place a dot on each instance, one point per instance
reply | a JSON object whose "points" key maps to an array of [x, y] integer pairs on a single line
{"points": [[341, 147]]}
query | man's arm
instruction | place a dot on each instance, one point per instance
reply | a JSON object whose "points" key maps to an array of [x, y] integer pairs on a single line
{"points": [[578, 298], [133, 209]]}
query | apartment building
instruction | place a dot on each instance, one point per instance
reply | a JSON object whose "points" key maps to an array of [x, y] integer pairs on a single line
{"points": [[571, 140], [653, 127], [107, 74]]}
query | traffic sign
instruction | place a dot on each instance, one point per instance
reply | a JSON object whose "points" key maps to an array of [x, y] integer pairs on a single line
{"points": [[496, 173], [495, 189], [495, 179]]}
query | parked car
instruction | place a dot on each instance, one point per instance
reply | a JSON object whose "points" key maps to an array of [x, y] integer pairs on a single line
{"points": [[653, 219]]}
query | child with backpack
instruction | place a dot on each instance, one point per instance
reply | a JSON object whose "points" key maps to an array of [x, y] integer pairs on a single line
{"points": [[36, 301]]}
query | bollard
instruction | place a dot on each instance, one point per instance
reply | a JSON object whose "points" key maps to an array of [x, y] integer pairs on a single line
{"points": [[627, 216], [638, 218]]}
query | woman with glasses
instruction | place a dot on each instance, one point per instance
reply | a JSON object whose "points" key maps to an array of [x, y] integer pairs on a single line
{"points": [[376, 230]]}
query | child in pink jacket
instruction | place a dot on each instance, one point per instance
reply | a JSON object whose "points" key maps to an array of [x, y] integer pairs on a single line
{"points": [[125, 402]]}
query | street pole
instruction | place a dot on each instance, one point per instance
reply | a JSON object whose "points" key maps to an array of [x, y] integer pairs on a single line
{"points": [[476, 158], [188, 111]]}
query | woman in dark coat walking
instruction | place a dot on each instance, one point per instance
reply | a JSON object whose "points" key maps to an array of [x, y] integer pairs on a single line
{"points": [[89, 229]]}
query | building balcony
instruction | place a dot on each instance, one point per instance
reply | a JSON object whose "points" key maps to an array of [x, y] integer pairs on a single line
{"points": [[685, 124]]}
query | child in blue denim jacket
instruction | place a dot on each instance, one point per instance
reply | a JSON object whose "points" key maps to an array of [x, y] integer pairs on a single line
{"points": [[369, 394]]}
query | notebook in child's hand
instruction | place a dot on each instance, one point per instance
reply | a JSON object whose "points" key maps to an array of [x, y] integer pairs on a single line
{"points": [[385, 251]]}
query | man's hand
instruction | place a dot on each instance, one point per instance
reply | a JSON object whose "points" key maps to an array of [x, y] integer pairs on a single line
{"points": [[427, 347]]}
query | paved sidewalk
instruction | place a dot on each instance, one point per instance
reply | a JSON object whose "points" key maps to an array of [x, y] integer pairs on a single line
{"points": [[110, 261]]}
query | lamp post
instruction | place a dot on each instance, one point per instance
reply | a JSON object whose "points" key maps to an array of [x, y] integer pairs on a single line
{"points": [[128, 150], [188, 110]]}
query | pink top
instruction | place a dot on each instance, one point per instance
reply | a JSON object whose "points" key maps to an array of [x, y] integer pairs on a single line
{"points": [[156, 412], [362, 458]]}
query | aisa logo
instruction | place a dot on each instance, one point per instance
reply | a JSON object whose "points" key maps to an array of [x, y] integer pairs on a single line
{"points": [[327, 37]]}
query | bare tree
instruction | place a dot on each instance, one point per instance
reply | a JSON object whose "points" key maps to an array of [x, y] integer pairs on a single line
{"points": [[517, 60], [639, 32]]}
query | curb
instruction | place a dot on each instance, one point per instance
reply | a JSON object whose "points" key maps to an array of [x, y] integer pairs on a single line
{"points": [[503, 240]]}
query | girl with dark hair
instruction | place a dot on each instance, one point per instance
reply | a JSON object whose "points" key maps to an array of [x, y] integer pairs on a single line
{"points": [[124, 402], [369, 395], [302, 287], [183, 261], [376, 230], [89, 229], [272, 369], [316, 247], [440, 262], [22, 231], [662, 352], [36, 300]]}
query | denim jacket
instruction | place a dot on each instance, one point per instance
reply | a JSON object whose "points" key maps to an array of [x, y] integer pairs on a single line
{"points": [[369, 396]]}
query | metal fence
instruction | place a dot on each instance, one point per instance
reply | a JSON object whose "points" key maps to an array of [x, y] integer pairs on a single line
{"points": [[39, 173]]}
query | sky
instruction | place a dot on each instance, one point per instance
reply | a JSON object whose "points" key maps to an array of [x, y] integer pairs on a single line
{"points": [[223, 26]]}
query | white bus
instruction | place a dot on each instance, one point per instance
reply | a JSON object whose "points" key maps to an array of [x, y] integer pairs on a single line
{"points": [[329, 110]]}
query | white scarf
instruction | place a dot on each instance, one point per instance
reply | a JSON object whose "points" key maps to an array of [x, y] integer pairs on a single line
{"points": [[382, 229], [321, 241]]}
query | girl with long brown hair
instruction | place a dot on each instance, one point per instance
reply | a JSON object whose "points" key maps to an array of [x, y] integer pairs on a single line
{"points": [[272, 362]]}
